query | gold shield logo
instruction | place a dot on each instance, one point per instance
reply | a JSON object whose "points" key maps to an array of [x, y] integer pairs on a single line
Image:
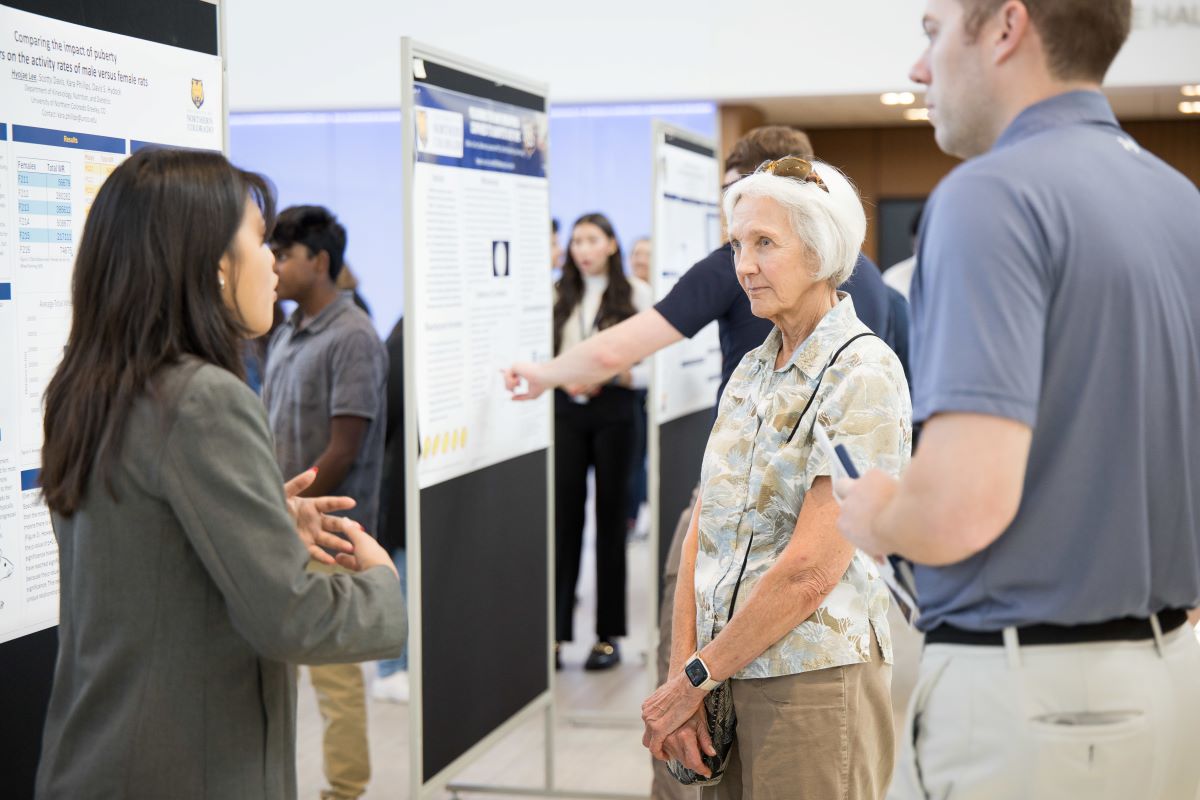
{"points": [[197, 92]]}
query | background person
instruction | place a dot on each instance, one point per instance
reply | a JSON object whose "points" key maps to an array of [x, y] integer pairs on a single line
{"points": [[593, 428], [325, 396]]}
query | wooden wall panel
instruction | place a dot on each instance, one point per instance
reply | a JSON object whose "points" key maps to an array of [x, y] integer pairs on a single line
{"points": [[897, 163], [1176, 142]]}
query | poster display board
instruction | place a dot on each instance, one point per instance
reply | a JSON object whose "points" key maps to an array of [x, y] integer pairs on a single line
{"points": [[82, 85], [480, 265], [478, 297], [74, 102], [687, 227]]}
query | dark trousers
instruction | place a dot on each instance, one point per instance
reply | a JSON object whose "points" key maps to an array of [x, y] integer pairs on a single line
{"points": [[598, 434], [637, 475]]}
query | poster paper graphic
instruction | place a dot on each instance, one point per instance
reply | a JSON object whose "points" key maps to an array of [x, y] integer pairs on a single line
{"points": [[687, 227], [74, 102], [482, 279]]}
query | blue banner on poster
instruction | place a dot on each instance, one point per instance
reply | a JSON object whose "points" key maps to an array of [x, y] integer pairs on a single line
{"points": [[31, 479], [458, 130], [70, 139]]}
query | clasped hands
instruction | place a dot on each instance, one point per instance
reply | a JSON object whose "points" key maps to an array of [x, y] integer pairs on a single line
{"points": [[319, 529], [677, 724]]}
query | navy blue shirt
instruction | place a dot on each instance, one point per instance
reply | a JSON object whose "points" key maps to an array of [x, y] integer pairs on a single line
{"points": [[710, 290], [1058, 284]]}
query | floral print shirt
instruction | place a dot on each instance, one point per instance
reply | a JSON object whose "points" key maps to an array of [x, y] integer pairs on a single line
{"points": [[754, 480]]}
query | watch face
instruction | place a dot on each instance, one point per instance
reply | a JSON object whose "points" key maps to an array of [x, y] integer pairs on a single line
{"points": [[696, 672]]}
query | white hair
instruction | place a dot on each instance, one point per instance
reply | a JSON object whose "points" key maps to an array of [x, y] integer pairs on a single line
{"points": [[832, 225]]}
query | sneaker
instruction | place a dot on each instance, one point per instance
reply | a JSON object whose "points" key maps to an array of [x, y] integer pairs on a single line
{"points": [[392, 689]]}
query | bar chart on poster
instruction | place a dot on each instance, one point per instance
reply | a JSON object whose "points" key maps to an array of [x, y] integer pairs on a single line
{"points": [[75, 100]]}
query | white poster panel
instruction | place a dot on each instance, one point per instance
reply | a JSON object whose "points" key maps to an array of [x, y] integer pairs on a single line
{"points": [[73, 103], [483, 297], [687, 227]]}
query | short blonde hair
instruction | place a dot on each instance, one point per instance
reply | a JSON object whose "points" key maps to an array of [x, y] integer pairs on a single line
{"points": [[832, 225]]}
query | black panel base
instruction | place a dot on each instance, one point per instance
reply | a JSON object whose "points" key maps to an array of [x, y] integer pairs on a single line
{"points": [[484, 604], [27, 667], [681, 444]]}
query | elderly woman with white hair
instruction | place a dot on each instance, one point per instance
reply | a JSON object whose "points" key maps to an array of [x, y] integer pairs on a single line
{"points": [[807, 654]]}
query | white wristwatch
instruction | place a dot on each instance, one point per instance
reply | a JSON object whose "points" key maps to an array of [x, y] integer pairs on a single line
{"points": [[697, 673]]}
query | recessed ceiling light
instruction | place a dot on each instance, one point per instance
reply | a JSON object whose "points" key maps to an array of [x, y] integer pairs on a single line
{"points": [[1191, 90], [916, 114], [897, 98], [1189, 108]]}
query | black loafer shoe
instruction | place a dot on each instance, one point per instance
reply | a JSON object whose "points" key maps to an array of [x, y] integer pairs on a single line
{"points": [[557, 657], [604, 655]]}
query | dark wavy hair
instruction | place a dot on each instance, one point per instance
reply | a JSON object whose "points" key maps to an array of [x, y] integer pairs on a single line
{"points": [[616, 304], [316, 228], [144, 295]]}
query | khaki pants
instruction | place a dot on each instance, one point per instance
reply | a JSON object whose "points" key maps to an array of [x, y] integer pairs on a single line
{"points": [[1116, 720], [825, 735], [342, 700]]}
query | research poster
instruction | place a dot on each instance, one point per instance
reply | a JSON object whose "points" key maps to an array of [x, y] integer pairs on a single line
{"points": [[687, 227], [74, 102], [481, 273]]}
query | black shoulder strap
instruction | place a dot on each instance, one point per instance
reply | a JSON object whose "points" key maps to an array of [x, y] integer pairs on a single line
{"points": [[737, 586], [812, 397]]}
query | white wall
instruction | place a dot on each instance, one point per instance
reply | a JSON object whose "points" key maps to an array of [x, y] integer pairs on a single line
{"points": [[306, 54]]}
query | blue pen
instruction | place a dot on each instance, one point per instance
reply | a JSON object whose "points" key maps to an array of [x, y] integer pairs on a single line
{"points": [[847, 464]]}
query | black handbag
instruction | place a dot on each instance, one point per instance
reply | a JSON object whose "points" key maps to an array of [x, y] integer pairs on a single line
{"points": [[718, 705]]}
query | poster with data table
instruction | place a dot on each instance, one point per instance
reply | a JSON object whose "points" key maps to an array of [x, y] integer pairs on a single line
{"points": [[75, 101]]}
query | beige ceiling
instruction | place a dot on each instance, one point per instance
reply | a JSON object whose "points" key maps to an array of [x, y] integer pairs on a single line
{"points": [[1150, 102]]}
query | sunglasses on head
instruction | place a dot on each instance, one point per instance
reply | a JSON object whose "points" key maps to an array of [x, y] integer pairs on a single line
{"points": [[793, 167]]}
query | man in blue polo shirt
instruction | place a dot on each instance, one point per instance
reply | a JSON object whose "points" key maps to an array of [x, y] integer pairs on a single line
{"points": [[1054, 501]]}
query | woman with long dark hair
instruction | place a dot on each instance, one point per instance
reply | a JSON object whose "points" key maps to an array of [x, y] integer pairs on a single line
{"points": [[184, 593], [593, 428]]}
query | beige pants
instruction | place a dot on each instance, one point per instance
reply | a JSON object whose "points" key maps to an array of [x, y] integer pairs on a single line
{"points": [[1116, 720], [342, 701], [824, 735]]}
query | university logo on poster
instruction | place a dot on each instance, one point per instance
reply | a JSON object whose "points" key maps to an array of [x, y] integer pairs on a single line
{"points": [[197, 92]]}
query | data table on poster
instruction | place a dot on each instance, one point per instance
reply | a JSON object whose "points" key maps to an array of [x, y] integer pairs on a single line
{"points": [[74, 103]]}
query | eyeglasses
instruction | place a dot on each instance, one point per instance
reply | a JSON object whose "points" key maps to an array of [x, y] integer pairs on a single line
{"points": [[793, 167]]}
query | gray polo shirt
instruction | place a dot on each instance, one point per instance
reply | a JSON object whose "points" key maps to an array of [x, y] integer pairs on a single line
{"points": [[332, 366], [1058, 284]]}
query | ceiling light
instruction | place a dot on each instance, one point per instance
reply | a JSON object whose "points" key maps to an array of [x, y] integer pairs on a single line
{"points": [[1192, 90], [897, 98], [916, 114], [1189, 108]]}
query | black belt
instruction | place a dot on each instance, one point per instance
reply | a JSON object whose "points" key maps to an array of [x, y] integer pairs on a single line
{"points": [[1114, 630]]}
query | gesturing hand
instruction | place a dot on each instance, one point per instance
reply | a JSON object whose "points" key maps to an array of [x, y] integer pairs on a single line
{"points": [[530, 373], [315, 526], [318, 529]]}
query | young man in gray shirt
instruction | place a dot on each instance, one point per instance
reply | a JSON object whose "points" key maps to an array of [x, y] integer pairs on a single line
{"points": [[325, 391], [1053, 506]]}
